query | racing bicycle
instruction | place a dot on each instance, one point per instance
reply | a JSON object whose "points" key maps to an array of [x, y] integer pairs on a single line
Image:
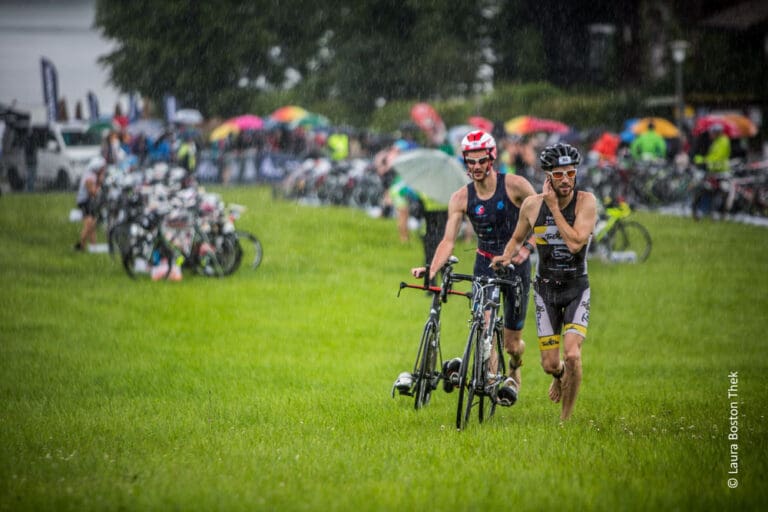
{"points": [[617, 239], [482, 368], [426, 374]]}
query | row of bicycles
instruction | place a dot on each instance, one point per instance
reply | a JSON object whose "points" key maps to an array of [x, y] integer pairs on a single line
{"points": [[352, 183], [482, 370], [654, 184], [159, 221]]}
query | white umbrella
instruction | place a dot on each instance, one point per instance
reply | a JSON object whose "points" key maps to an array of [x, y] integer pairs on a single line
{"points": [[188, 116], [431, 172], [152, 128]]}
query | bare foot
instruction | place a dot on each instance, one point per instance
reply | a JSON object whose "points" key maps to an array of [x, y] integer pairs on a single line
{"points": [[555, 390], [515, 375]]}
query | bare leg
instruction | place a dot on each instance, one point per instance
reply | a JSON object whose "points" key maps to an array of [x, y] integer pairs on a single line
{"points": [[550, 361], [402, 224], [571, 380], [515, 347], [88, 232]]}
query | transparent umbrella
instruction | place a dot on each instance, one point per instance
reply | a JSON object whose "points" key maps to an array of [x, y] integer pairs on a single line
{"points": [[431, 172]]}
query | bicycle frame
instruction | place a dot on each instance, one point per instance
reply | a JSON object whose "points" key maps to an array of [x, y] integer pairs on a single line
{"points": [[483, 367], [614, 213], [621, 240], [429, 359]]}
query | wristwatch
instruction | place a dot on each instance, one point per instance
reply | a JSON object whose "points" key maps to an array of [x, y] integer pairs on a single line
{"points": [[528, 246]]}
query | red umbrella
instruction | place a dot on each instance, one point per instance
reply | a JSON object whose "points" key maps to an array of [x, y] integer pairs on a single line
{"points": [[703, 124], [481, 123], [523, 125], [429, 121]]}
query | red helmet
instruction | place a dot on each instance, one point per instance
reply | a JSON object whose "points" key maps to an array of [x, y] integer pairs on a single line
{"points": [[478, 140]]}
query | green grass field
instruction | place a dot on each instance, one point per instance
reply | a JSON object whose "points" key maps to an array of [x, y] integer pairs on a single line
{"points": [[270, 389]]}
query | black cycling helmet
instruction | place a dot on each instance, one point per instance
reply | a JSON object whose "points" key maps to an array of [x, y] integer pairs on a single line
{"points": [[557, 155]]}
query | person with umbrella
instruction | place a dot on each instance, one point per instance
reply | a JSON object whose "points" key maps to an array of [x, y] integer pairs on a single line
{"points": [[492, 203]]}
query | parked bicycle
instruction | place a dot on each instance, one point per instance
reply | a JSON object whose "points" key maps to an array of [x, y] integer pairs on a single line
{"points": [[617, 239], [156, 224], [426, 372], [482, 368]]}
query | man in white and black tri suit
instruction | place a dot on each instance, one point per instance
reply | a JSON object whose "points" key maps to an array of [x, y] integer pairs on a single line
{"points": [[562, 220], [492, 203]]}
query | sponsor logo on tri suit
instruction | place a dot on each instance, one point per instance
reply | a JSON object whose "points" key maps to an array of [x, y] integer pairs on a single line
{"points": [[500, 205], [585, 316], [549, 342], [562, 254], [480, 209]]}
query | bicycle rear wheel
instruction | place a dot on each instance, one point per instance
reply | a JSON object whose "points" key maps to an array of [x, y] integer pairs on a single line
{"points": [[425, 373], [228, 252], [631, 236], [467, 378], [251, 249]]}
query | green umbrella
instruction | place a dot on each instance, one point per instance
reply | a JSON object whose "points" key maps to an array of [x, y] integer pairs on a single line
{"points": [[311, 121]]}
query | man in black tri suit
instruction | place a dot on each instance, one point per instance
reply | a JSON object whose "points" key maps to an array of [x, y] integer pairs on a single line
{"points": [[562, 220], [492, 203]]}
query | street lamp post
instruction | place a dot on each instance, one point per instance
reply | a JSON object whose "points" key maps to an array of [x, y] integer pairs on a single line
{"points": [[679, 48]]}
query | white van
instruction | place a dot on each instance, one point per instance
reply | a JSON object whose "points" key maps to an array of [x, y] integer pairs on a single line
{"points": [[62, 152]]}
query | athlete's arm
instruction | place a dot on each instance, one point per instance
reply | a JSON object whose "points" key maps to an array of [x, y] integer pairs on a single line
{"points": [[577, 236], [456, 208], [519, 188], [522, 231]]}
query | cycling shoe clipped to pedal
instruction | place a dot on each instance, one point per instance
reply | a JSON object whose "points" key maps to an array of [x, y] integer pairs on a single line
{"points": [[506, 395], [451, 374], [403, 384]]}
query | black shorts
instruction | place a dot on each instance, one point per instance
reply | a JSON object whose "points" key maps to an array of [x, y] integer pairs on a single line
{"points": [[561, 307], [514, 317], [88, 207]]}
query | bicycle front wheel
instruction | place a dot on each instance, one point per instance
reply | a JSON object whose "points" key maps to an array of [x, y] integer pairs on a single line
{"points": [[425, 374], [467, 377], [631, 236]]}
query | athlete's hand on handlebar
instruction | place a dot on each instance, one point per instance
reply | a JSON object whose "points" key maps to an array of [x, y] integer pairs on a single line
{"points": [[418, 271], [499, 262]]}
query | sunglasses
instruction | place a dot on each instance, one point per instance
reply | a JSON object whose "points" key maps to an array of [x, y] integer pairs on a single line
{"points": [[472, 161], [558, 175]]}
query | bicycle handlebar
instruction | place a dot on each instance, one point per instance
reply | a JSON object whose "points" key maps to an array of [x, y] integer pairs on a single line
{"points": [[433, 289], [486, 280]]}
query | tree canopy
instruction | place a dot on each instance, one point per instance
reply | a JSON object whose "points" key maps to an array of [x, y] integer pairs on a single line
{"points": [[220, 56]]}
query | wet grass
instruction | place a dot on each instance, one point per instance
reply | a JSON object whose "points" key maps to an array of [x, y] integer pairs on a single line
{"points": [[270, 389]]}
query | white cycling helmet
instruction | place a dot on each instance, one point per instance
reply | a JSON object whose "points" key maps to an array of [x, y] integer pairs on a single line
{"points": [[478, 140]]}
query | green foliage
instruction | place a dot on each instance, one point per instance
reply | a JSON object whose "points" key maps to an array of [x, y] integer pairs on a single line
{"points": [[222, 57], [269, 389]]}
